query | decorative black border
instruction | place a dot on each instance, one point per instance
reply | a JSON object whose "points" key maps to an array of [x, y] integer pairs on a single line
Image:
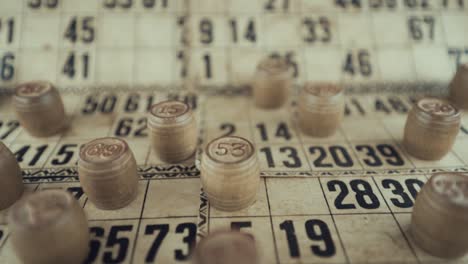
{"points": [[149, 172]]}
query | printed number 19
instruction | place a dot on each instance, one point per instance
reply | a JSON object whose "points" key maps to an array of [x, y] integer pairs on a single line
{"points": [[316, 230]]}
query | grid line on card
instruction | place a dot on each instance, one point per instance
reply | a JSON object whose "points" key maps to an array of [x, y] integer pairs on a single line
{"points": [[147, 155], [334, 221], [350, 145], [262, 45], [384, 46], [18, 50], [203, 196], [299, 137], [294, 215], [412, 46], [2, 245], [301, 51], [397, 144], [443, 30], [85, 202], [250, 121], [340, 46], [20, 38], [115, 219], [458, 157], [187, 39], [135, 241], [97, 47], [396, 221], [227, 49], [173, 48], [169, 217], [54, 149], [275, 243], [61, 20], [144, 218], [252, 134], [374, 44], [133, 80], [75, 110]]}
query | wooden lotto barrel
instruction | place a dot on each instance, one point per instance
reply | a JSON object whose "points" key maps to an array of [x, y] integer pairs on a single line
{"points": [[226, 247], [173, 131], [49, 227], [272, 83], [39, 108], [431, 128], [230, 173], [108, 173], [320, 109], [459, 87], [11, 179], [440, 215]]}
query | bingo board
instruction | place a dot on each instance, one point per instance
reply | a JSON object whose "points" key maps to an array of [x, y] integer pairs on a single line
{"points": [[344, 199]]}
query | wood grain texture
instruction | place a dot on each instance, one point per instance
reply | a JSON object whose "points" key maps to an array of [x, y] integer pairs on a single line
{"points": [[11, 179], [272, 83], [49, 227], [173, 131], [39, 108], [230, 173], [440, 216], [459, 87], [431, 128], [108, 173], [320, 109]]}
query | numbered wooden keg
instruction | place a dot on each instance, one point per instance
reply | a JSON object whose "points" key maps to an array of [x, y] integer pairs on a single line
{"points": [[108, 173], [227, 247], [230, 173], [431, 128], [440, 216], [320, 109], [459, 87], [49, 227], [173, 131], [39, 108], [272, 83], [11, 179]]}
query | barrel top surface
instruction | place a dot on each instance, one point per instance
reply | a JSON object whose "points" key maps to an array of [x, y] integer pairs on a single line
{"points": [[274, 65], [169, 109], [33, 89], [41, 208], [226, 236], [223, 243], [452, 187], [230, 150], [169, 112], [322, 89], [437, 108], [103, 150]]}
